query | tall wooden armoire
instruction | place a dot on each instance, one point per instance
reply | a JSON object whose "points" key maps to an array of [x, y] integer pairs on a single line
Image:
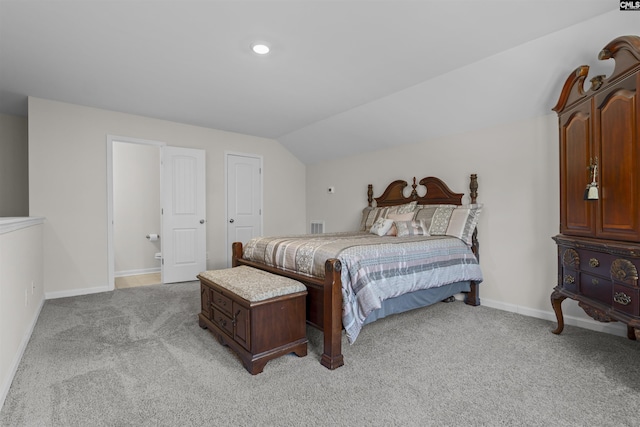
{"points": [[599, 240]]}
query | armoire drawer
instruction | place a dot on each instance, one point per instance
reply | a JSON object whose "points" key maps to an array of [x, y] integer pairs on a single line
{"points": [[596, 287], [569, 279], [626, 299], [597, 263]]}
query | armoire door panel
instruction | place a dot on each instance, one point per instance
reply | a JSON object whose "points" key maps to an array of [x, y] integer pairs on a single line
{"points": [[576, 214], [618, 215]]}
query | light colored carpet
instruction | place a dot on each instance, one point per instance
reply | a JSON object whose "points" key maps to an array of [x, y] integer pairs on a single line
{"points": [[137, 357], [137, 280]]}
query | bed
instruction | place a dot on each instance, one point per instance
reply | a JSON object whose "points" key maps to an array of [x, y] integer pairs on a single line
{"points": [[426, 246]]}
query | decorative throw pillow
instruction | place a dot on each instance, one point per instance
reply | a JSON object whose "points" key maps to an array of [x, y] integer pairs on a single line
{"points": [[440, 220], [463, 222], [411, 228], [398, 217], [381, 226]]}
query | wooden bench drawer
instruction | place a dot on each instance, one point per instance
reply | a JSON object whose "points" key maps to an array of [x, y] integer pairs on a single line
{"points": [[222, 302]]}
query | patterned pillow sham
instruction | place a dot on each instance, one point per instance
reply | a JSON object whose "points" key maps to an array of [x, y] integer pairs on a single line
{"points": [[463, 221], [425, 213], [402, 209], [411, 228], [440, 220], [370, 216]]}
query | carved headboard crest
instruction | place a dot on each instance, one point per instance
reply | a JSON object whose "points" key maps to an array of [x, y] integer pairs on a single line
{"points": [[437, 192]]}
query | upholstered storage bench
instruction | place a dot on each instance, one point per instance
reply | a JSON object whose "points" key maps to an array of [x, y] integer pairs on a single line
{"points": [[259, 315]]}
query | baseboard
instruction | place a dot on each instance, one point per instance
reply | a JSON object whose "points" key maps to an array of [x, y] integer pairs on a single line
{"points": [[76, 292], [4, 391], [125, 273], [613, 328]]}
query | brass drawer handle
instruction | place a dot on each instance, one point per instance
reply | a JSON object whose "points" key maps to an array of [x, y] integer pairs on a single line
{"points": [[593, 263], [569, 279], [222, 321], [622, 298], [595, 282], [222, 302]]}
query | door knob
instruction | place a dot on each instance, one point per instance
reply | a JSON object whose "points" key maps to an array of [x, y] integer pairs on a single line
{"points": [[202, 221], [231, 220]]}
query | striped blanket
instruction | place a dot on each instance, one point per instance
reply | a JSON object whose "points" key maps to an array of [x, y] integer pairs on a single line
{"points": [[373, 268]]}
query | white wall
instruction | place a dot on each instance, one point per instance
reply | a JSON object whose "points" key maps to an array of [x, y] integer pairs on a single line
{"points": [[136, 207], [14, 182], [517, 167], [21, 291], [68, 184]]}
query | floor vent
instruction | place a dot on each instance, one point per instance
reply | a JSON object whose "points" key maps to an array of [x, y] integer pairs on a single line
{"points": [[317, 227]]}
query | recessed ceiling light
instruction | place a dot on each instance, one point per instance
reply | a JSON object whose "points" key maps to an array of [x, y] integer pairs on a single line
{"points": [[260, 48]]}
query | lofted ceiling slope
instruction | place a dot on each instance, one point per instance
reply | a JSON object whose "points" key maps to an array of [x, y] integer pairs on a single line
{"points": [[342, 77]]}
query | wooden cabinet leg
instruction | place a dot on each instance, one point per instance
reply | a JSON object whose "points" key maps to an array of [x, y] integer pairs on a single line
{"points": [[632, 333], [556, 303]]}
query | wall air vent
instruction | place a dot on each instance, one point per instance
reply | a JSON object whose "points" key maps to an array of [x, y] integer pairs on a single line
{"points": [[317, 227]]}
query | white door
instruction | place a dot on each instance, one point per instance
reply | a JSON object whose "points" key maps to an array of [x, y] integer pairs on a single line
{"points": [[184, 247], [244, 199]]}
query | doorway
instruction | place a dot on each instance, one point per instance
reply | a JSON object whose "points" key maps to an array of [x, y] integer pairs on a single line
{"points": [[164, 179], [136, 207]]}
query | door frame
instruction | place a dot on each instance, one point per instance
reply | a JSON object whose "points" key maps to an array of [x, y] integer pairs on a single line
{"points": [[226, 196], [111, 139]]}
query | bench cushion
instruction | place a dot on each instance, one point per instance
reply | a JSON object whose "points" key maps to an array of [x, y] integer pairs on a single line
{"points": [[252, 284]]}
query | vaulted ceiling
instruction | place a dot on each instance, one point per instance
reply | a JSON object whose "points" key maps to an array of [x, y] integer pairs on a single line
{"points": [[342, 76]]}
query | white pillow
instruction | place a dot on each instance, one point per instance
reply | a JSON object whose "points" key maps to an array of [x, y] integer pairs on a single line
{"points": [[381, 226]]}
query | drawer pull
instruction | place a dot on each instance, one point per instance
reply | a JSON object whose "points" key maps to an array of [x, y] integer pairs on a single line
{"points": [[622, 298], [569, 279], [222, 321], [595, 282], [593, 263], [222, 302]]}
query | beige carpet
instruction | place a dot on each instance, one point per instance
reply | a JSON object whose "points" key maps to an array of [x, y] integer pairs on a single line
{"points": [[137, 280]]}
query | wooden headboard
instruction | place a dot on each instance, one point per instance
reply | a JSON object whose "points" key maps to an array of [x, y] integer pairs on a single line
{"points": [[438, 193]]}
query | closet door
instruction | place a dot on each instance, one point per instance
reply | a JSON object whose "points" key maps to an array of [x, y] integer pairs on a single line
{"points": [[577, 216], [617, 114]]}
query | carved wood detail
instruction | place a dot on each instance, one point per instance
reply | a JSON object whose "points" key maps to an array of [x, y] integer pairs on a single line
{"points": [[624, 271], [571, 258], [596, 313]]}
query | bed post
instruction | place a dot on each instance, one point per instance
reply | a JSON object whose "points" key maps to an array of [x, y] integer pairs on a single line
{"points": [[473, 297], [332, 315], [236, 253], [473, 187]]}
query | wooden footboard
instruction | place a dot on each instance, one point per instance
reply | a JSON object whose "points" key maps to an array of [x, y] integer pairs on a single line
{"points": [[324, 303]]}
